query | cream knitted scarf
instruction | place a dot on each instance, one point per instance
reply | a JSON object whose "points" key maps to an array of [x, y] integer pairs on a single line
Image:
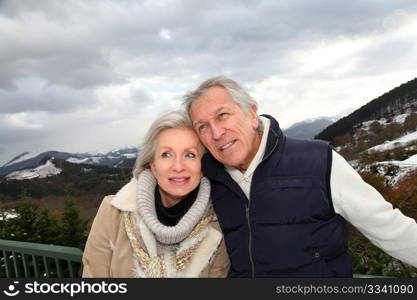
{"points": [[146, 206]]}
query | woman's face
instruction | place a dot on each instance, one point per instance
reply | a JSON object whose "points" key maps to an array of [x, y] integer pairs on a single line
{"points": [[177, 164]]}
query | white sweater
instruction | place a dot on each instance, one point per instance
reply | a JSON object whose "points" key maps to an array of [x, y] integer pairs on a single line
{"points": [[356, 201]]}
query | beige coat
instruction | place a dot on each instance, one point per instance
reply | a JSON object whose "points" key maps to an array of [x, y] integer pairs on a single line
{"points": [[109, 253]]}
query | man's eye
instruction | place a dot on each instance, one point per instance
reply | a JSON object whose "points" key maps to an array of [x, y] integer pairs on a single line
{"points": [[190, 155], [202, 127], [166, 155], [222, 115]]}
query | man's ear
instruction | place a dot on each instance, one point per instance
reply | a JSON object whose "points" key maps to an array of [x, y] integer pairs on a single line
{"points": [[253, 116]]}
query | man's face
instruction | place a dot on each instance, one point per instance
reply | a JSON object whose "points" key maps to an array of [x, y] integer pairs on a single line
{"points": [[225, 129]]}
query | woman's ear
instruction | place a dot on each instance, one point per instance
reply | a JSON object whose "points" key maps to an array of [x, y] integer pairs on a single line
{"points": [[152, 165]]}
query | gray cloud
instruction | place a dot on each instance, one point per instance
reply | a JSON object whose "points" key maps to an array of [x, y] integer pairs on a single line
{"points": [[88, 41], [112, 61], [35, 94]]}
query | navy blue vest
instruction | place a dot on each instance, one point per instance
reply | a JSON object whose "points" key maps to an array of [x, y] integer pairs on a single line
{"points": [[289, 227]]}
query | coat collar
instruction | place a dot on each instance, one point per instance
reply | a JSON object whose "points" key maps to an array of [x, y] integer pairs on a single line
{"points": [[125, 199], [276, 138]]}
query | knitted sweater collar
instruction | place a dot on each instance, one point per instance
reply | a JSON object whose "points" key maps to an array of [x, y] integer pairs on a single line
{"points": [[145, 197]]}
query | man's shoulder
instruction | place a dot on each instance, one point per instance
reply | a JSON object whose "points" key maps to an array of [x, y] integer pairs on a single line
{"points": [[309, 144], [306, 154]]}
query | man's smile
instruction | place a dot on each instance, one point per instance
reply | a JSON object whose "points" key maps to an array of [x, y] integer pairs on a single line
{"points": [[226, 146]]}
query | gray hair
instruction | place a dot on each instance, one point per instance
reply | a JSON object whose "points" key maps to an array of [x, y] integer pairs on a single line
{"points": [[238, 94], [174, 119]]}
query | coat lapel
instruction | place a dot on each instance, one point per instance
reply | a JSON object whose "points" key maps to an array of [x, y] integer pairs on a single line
{"points": [[125, 199]]}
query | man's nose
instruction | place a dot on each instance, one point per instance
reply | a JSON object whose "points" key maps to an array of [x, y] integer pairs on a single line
{"points": [[217, 131]]}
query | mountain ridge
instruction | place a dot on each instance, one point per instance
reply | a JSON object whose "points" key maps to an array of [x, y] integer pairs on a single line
{"points": [[124, 157], [308, 128], [399, 100]]}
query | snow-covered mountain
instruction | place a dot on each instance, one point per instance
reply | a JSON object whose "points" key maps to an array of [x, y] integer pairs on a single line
{"points": [[116, 158], [42, 171], [309, 128]]}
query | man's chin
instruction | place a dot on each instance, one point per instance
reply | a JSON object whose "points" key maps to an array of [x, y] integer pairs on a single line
{"points": [[228, 160], [231, 163]]}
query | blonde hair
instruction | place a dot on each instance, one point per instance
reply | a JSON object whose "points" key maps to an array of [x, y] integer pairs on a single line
{"points": [[174, 119]]}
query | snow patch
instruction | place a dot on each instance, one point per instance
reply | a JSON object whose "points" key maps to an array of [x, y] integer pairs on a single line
{"points": [[404, 167], [129, 155], [402, 141], [400, 118], [411, 161], [95, 160], [42, 171], [9, 215], [76, 160]]}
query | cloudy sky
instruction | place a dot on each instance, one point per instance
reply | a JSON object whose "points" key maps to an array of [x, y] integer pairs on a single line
{"points": [[90, 75]]}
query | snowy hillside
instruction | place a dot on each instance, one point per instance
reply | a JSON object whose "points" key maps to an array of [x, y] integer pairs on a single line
{"points": [[385, 146], [399, 142], [116, 158], [42, 171], [400, 100]]}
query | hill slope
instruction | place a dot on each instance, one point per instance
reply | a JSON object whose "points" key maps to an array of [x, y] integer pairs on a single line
{"points": [[400, 100]]}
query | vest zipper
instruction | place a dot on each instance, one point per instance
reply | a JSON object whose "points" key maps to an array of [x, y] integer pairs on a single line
{"points": [[250, 242], [247, 213]]}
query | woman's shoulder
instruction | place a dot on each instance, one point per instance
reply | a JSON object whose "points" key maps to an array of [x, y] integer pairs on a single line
{"points": [[108, 199], [106, 208], [124, 199]]}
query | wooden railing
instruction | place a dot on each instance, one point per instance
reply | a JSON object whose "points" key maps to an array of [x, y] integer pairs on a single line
{"points": [[21, 259]]}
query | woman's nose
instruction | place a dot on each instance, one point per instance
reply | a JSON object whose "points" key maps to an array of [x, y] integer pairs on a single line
{"points": [[178, 164]]}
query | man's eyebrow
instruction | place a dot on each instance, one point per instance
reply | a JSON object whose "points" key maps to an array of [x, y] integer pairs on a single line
{"points": [[196, 123], [218, 110], [215, 113]]}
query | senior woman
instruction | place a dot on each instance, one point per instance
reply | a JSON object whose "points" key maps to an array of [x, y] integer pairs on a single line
{"points": [[160, 224]]}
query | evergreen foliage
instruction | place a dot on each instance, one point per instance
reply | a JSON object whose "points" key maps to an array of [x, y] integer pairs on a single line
{"points": [[370, 260], [34, 225], [72, 226]]}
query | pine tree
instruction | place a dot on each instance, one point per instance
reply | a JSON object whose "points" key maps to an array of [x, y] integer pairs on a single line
{"points": [[22, 227], [47, 228], [72, 226]]}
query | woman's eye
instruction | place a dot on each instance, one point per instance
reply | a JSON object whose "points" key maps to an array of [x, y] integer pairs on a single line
{"points": [[191, 155], [166, 155]]}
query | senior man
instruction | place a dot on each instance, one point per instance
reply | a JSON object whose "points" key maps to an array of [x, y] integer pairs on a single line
{"points": [[282, 202]]}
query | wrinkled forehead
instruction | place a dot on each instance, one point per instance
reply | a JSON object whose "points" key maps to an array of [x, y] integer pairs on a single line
{"points": [[211, 102]]}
